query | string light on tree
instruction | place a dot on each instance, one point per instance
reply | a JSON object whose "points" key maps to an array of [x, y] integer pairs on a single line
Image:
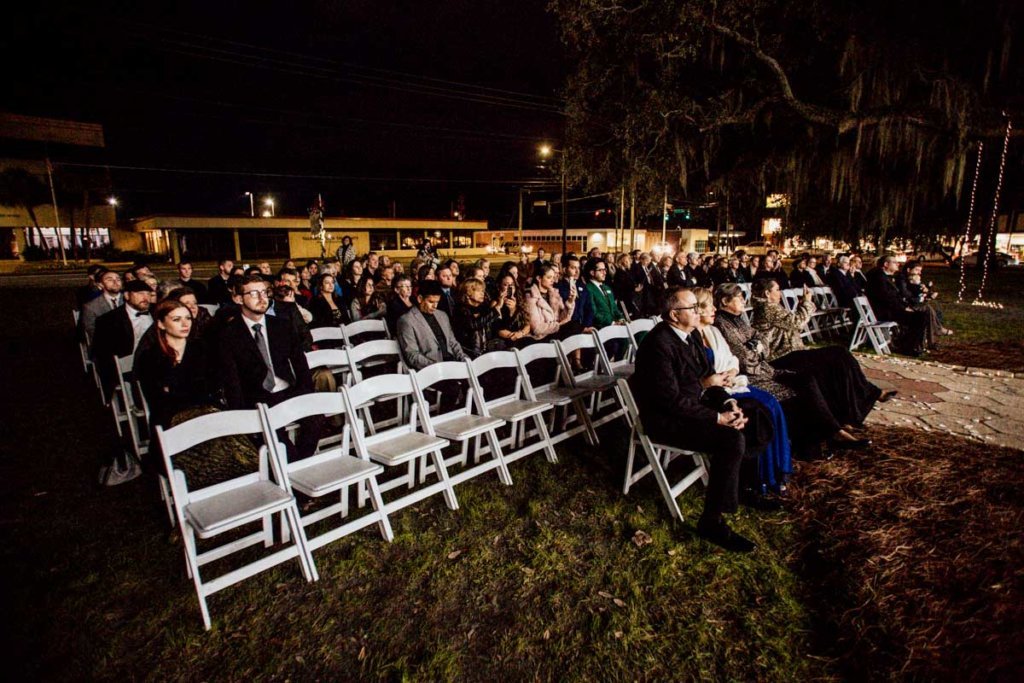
{"points": [[990, 246], [967, 228]]}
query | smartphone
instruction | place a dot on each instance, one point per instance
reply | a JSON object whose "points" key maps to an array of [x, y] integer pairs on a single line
{"points": [[508, 292]]}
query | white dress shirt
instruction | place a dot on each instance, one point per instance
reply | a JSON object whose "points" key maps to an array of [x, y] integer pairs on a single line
{"points": [[279, 384]]}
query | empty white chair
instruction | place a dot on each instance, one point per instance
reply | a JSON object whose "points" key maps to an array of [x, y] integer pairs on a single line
{"points": [[83, 346], [513, 407], [376, 354], [869, 329], [466, 422], [402, 444], [589, 378], [216, 509], [331, 471], [658, 458], [164, 483], [211, 308], [360, 327], [638, 327], [328, 334], [552, 388], [621, 367]]}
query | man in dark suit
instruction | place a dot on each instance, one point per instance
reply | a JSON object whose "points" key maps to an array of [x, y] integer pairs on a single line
{"points": [[684, 403], [677, 274], [119, 331], [185, 280], [109, 299], [261, 358], [217, 289], [842, 284], [446, 278], [889, 305], [696, 275]]}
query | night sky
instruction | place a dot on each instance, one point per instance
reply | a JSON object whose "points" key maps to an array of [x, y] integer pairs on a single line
{"points": [[368, 95]]}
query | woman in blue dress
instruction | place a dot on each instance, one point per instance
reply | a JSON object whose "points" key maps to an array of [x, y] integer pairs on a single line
{"points": [[774, 465]]}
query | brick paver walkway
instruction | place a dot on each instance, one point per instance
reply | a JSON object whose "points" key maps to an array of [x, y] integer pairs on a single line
{"points": [[975, 403]]}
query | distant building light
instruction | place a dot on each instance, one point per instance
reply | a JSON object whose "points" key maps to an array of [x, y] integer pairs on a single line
{"points": [[777, 201]]}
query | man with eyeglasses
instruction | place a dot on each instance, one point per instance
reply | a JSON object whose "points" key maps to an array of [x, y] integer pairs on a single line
{"points": [[602, 299], [683, 402]]}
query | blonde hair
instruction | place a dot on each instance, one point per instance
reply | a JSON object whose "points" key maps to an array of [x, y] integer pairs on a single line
{"points": [[704, 296], [470, 286]]}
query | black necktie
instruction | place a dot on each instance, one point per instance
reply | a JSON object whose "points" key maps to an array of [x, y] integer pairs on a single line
{"points": [[261, 344]]}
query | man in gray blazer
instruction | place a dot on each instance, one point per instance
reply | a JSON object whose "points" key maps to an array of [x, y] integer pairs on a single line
{"points": [[424, 333], [109, 299]]}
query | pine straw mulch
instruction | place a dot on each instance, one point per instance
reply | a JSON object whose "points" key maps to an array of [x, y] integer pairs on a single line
{"points": [[1001, 355], [913, 557]]}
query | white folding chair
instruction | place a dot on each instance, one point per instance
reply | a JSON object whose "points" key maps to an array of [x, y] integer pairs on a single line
{"points": [[596, 384], [164, 483], [467, 422], [327, 334], [118, 408], [331, 471], [867, 328], [837, 317], [625, 311], [513, 407], [658, 458], [791, 300], [229, 505], [375, 354], [745, 289], [360, 327], [134, 416], [211, 308], [552, 388], [638, 327], [620, 367], [402, 444], [83, 346]]}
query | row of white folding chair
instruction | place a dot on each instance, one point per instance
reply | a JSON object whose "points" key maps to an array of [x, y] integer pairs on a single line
{"points": [[83, 351], [833, 317], [658, 456], [595, 379], [868, 329], [791, 300]]}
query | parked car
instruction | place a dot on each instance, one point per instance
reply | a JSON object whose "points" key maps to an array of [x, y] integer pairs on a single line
{"points": [[1002, 260], [757, 248]]}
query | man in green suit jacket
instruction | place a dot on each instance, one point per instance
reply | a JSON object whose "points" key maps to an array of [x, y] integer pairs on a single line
{"points": [[602, 301]]}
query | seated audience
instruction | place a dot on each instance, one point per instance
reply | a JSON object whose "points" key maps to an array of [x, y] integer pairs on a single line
{"points": [[109, 299], [217, 287], [583, 313], [327, 307], [842, 283], [475, 320], [119, 331], [550, 317], [602, 300], [425, 334], [682, 403], [399, 303], [849, 394], [624, 287], [889, 306], [513, 325], [366, 305]]}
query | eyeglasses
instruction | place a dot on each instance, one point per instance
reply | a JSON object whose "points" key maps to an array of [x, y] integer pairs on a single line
{"points": [[257, 294], [600, 270], [686, 308]]}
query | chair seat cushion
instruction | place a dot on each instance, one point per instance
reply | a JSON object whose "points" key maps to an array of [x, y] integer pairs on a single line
{"points": [[331, 475], [465, 426], [517, 410], [597, 383], [402, 448], [225, 510], [561, 395]]}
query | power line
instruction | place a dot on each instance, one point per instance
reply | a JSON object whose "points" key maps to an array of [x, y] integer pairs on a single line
{"points": [[304, 69], [532, 182], [334, 62]]}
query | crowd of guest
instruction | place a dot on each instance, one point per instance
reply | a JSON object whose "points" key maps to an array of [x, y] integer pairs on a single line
{"points": [[723, 372]]}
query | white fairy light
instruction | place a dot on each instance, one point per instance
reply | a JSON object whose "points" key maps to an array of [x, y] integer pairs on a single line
{"points": [[994, 223], [967, 227]]}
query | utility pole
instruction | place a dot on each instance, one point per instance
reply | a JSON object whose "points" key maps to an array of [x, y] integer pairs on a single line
{"points": [[632, 216], [520, 206], [565, 216], [56, 213], [664, 215], [620, 224]]}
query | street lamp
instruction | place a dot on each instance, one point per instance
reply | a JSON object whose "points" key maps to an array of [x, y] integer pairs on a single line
{"points": [[112, 201], [546, 151], [269, 202], [252, 206]]}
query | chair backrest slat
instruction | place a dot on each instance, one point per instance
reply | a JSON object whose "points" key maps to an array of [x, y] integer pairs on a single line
{"points": [[208, 427], [327, 334], [306, 405], [371, 389]]}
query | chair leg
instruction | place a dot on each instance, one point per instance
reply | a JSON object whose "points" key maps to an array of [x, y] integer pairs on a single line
{"points": [[305, 556], [542, 431], [581, 413], [442, 474], [629, 462], [663, 483], [192, 561], [503, 474], [384, 523]]}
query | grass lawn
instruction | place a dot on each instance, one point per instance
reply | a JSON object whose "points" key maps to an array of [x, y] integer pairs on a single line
{"points": [[859, 578]]}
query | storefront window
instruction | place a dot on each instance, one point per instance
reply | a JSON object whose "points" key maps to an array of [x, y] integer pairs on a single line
{"points": [[384, 239]]}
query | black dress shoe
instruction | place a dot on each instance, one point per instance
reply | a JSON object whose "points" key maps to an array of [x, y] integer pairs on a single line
{"points": [[854, 445], [753, 499], [887, 396], [724, 537]]}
